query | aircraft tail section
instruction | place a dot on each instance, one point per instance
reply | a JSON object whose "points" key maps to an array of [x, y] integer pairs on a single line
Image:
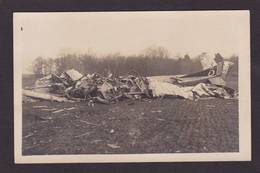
{"points": [[222, 68], [213, 72]]}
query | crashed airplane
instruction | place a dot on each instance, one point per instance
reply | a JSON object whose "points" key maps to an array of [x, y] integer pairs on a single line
{"points": [[71, 85]]}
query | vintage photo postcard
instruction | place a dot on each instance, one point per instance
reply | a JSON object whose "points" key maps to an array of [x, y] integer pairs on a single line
{"points": [[157, 86]]}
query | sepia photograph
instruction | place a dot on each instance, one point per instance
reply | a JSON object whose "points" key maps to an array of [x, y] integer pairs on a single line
{"points": [[154, 86]]}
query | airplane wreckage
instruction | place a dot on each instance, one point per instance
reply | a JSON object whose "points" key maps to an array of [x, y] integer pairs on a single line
{"points": [[73, 86]]}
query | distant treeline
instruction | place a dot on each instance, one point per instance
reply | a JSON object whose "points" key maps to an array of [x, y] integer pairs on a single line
{"points": [[153, 62]]}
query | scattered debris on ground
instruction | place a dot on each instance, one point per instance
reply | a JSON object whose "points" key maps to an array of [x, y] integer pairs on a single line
{"points": [[113, 146], [182, 125]]}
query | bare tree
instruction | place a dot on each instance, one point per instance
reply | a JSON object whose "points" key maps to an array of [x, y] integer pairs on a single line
{"points": [[156, 52], [39, 65]]}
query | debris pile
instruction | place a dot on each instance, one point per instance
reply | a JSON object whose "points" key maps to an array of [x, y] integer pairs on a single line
{"points": [[72, 86]]}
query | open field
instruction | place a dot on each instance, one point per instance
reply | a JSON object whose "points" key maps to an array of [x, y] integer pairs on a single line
{"points": [[155, 126], [167, 125]]}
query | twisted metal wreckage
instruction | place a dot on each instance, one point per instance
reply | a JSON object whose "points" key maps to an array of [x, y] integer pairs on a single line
{"points": [[72, 86]]}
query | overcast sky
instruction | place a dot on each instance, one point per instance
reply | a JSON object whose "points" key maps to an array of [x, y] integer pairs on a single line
{"points": [[51, 34]]}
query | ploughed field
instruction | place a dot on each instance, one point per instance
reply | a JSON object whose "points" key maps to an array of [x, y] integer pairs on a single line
{"points": [[166, 125]]}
